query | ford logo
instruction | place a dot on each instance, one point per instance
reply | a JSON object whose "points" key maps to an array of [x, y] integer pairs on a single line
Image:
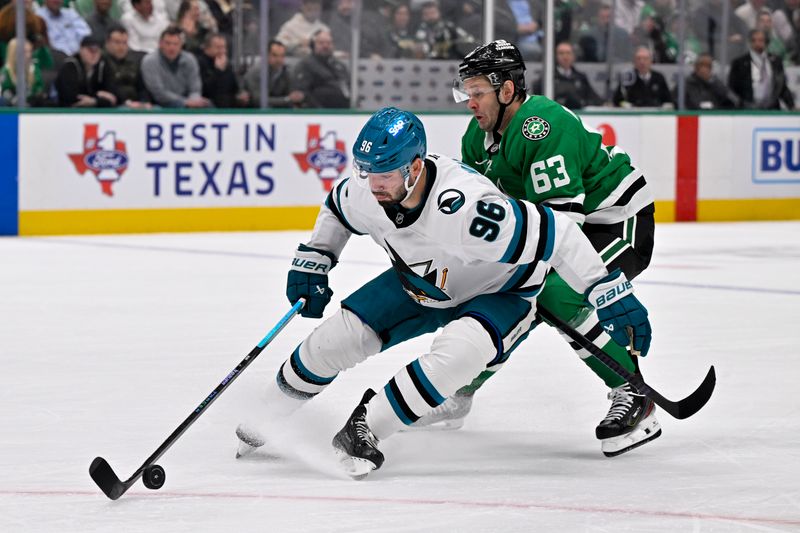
{"points": [[327, 159], [106, 159]]}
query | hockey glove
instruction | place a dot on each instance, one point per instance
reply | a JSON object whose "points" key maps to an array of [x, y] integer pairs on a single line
{"points": [[619, 311], [308, 279]]}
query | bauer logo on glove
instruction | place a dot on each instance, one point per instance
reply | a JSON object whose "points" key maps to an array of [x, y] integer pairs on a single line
{"points": [[612, 294], [313, 266], [622, 316], [308, 278]]}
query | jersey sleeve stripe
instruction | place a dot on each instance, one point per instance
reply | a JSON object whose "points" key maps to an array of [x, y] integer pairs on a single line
{"points": [[423, 384], [517, 244], [399, 405], [635, 187], [544, 249], [333, 202], [569, 207], [519, 278]]}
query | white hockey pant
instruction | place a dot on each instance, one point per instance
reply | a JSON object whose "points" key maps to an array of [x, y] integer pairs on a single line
{"points": [[340, 342], [459, 353]]}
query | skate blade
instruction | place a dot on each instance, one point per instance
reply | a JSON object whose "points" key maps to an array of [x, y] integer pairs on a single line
{"points": [[354, 467], [649, 429]]}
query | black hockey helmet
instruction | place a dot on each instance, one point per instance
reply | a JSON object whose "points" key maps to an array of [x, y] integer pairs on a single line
{"points": [[499, 61]]}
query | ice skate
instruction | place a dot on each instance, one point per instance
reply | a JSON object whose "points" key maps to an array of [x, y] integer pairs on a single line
{"points": [[630, 422], [252, 444], [448, 416], [355, 445]]}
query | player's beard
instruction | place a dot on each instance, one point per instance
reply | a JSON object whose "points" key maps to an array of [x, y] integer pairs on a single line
{"points": [[387, 198]]}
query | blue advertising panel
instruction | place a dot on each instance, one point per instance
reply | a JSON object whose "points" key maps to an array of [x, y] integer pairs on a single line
{"points": [[9, 224]]}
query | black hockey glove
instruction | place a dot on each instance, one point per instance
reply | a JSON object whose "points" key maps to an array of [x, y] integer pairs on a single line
{"points": [[308, 279], [619, 310]]}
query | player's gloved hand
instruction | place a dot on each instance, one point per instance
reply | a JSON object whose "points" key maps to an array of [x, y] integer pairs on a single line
{"points": [[619, 310], [308, 279]]}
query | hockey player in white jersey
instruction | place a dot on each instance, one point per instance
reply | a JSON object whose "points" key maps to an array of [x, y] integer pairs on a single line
{"points": [[465, 258]]}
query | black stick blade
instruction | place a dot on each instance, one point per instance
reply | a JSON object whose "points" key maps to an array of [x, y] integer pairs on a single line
{"points": [[102, 474], [696, 400]]}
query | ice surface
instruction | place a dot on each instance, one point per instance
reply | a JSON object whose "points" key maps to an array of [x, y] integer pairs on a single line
{"points": [[107, 343]]}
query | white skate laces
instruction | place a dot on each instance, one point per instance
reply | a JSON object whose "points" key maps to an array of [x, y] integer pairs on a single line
{"points": [[621, 401]]}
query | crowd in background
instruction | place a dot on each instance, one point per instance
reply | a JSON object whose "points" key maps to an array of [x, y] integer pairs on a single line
{"points": [[177, 53]]}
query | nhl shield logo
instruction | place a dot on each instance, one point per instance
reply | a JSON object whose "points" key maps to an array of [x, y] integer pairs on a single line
{"points": [[535, 128]]}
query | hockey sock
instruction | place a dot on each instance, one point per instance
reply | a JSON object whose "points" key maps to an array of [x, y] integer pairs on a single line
{"points": [[620, 355], [478, 382]]}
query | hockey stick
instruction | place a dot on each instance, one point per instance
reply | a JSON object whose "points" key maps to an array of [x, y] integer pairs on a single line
{"points": [[102, 473], [681, 409]]}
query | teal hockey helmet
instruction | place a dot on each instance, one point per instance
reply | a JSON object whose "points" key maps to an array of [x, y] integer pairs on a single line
{"points": [[391, 139]]}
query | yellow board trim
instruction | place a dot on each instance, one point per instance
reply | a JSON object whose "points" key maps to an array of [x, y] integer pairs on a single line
{"points": [[87, 222], [665, 211], [750, 209]]}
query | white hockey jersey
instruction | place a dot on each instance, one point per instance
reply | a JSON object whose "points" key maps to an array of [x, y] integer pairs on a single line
{"points": [[466, 238]]}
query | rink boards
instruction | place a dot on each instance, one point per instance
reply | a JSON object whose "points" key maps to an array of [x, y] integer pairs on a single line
{"points": [[83, 173]]}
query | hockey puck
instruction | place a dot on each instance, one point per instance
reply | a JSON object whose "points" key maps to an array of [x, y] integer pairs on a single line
{"points": [[153, 477]]}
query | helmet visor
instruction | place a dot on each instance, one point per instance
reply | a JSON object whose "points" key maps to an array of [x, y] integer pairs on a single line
{"points": [[360, 175], [462, 93]]}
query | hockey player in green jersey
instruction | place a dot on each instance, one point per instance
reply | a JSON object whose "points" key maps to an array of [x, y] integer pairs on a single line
{"points": [[535, 149]]}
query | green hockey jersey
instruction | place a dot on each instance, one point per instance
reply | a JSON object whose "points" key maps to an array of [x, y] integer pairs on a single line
{"points": [[548, 156]]}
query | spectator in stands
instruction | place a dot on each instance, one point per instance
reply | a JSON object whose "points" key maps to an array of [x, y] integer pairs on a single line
{"points": [[786, 21], [706, 22], [101, 19], [338, 21], [642, 86], [593, 39], [34, 24], [85, 79], [442, 38], [280, 92], [571, 88], [195, 27], [85, 8], [171, 75], [296, 32], [748, 12], [126, 66], [35, 31], [173, 6], [470, 19], [529, 34], [322, 78], [374, 22], [373, 27], [402, 41], [652, 33], [282, 10], [222, 12], [775, 45], [757, 77], [628, 14], [145, 26], [220, 85], [8, 77], [704, 90], [65, 28], [159, 7]]}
